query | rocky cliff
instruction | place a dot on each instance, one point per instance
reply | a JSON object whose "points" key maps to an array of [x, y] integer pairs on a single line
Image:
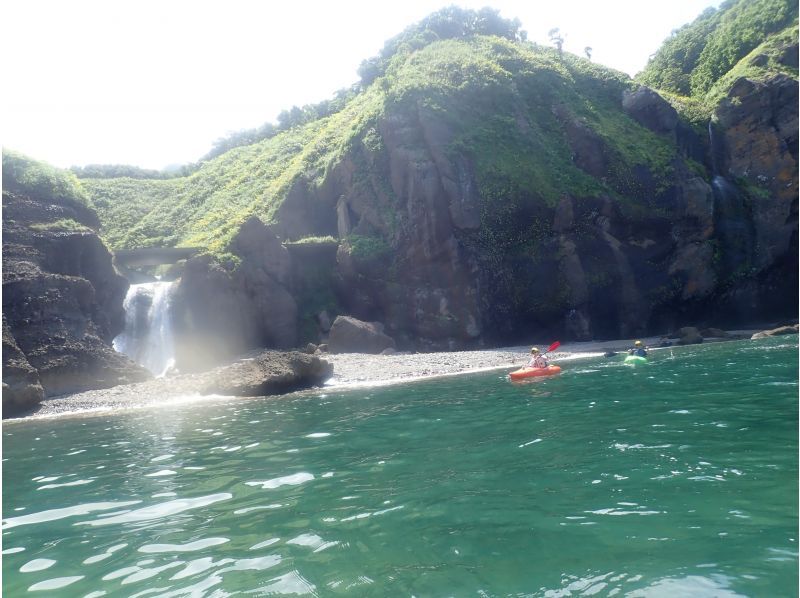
{"points": [[483, 190], [449, 268], [62, 299]]}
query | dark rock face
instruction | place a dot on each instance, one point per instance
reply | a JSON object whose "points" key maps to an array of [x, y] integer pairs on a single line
{"points": [[759, 123], [62, 299], [219, 314], [350, 335], [650, 109], [604, 267], [716, 248], [416, 200], [269, 373], [757, 145], [589, 152], [21, 388]]}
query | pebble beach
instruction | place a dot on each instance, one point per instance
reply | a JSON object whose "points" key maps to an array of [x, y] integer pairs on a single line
{"points": [[350, 370]]}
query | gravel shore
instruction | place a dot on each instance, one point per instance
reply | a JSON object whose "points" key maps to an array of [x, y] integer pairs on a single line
{"points": [[350, 370]]}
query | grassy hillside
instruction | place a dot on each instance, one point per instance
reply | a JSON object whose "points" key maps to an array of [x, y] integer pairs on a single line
{"points": [[699, 54], [24, 175], [207, 207], [496, 94], [697, 65]]}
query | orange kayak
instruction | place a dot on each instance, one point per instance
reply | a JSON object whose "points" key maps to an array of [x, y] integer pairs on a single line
{"points": [[534, 372]]}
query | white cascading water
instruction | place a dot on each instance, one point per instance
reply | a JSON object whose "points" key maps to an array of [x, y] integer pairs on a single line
{"points": [[147, 338]]}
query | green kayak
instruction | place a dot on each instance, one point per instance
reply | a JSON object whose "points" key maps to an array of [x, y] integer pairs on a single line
{"points": [[635, 359]]}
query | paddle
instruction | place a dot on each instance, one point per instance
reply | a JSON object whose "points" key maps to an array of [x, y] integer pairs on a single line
{"points": [[554, 346]]}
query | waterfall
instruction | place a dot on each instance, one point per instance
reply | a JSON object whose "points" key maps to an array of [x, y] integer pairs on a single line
{"points": [[733, 222], [147, 338], [716, 150]]}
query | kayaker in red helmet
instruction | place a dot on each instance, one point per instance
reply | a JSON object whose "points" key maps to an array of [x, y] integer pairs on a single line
{"points": [[638, 349], [537, 359]]}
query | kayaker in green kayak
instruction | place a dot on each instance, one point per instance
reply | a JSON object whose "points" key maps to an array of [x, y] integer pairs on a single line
{"points": [[638, 349], [537, 359]]}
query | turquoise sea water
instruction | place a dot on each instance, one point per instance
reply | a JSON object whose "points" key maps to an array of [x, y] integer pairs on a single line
{"points": [[677, 478]]}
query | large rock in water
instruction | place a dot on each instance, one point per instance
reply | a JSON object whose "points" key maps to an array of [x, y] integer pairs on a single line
{"points": [[269, 373], [350, 335], [62, 301]]}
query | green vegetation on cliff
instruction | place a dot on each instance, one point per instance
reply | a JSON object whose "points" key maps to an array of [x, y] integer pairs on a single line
{"points": [[22, 174], [518, 113], [699, 54], [207, 207], [699, 63]]}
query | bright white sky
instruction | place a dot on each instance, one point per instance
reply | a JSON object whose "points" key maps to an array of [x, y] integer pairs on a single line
{"points": [[155, 82]]}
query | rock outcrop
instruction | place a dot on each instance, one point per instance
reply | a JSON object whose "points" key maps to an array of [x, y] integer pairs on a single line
{"points": [[650, 109], [420, 251], [62, 302], [220, 313], [269, 373], [688, 335], [350, 335], [602, 267], [755, 144]]}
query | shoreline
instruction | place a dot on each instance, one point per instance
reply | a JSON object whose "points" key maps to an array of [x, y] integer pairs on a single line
{"points": [[351, 370]]}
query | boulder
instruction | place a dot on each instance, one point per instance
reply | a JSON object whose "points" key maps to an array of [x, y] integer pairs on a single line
{"points": [[688, 335], [350, 335], [271, 372], [650, 110], [714, 333], [782, 330]]}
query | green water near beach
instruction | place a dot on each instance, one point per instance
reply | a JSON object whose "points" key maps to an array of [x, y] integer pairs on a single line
{"points": [[676, 478]]}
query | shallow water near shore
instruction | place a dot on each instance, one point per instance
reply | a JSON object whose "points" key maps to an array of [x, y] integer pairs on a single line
{"points": [[676, 478]]}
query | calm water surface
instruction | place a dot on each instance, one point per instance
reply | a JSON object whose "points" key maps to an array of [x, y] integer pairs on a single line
{"points": [[678, 478]]}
